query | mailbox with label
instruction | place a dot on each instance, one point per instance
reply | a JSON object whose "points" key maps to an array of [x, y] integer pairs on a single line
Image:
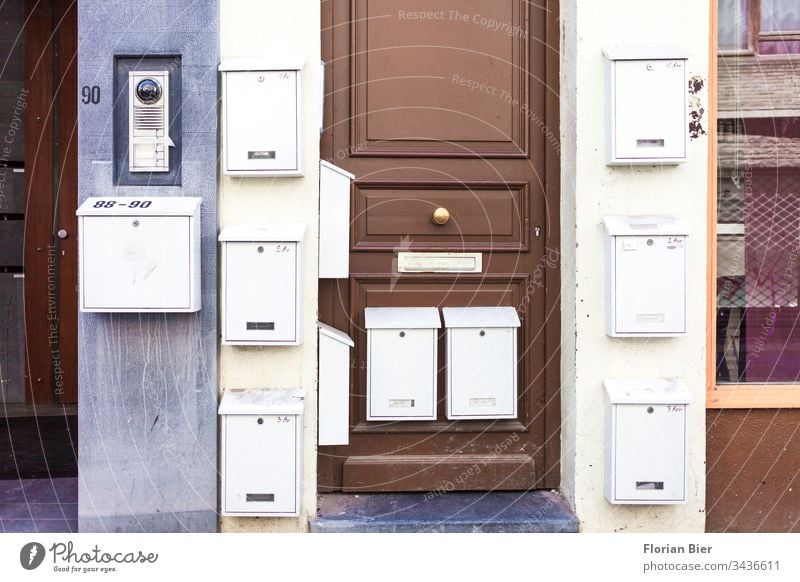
{"points": [[261, 104], [646, 441], [262, 290], [401, 362], [261, 452], [646, 276], [646, 106], [139, 254], [481, 362]]}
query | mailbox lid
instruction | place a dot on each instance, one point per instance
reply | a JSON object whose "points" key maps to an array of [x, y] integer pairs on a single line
{"points": [[262, 401], [647, 391], [653, 225], [458, 317], [402, 318], [324, 166], [639, 53], [261, 64], [263, 233], [335, 334], [142, 206]]}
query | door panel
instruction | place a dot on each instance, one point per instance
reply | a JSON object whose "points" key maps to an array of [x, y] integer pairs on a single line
{"points": [[447, 112], [51, 267], [439, 86], [484, 216]]}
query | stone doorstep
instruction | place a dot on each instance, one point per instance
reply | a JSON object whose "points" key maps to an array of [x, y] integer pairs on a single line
{"points": [[456, 512]]}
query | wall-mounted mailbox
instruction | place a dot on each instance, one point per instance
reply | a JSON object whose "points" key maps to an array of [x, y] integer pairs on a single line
{"points": [[646, 275], [262, 452], [481, 362], [261, 105], [401, 362], [334, 221], [262, 284], [334, 386], [646, 106], [139, 254], [646, 441]]}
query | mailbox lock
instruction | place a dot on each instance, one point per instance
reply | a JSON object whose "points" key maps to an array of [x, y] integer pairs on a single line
{"points": [[260, 249], [649, 66], [649, 410], [402, 334], [482, 333], [649, 242], [135, 223], [260, 421], [260, 78]]}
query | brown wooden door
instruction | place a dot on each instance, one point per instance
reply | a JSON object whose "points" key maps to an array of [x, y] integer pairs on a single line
{"points": [[447, 104], [51, 146]]}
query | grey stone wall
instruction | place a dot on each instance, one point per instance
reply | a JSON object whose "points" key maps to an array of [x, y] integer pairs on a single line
{"points": [[148, 382]]}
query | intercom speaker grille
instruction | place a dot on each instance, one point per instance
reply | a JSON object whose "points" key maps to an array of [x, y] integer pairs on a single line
{"points": [[148, 118]]}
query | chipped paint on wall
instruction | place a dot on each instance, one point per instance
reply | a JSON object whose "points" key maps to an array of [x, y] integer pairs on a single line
{"points": [[697, 86]]}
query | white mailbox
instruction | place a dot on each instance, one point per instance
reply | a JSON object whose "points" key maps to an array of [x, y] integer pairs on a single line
{"points": [[334, 386], [646, 450], [262, 284], [139, 254], [334, 221], [481, 362], [261, 105], [262, 452], [401, 362], [646, 105], [646, 276]]}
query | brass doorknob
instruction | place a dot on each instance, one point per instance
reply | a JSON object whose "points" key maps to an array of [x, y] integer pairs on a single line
{"points": [[440, 216]]}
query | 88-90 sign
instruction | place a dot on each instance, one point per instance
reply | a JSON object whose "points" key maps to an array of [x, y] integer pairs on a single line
{"points": [[131, 204]]}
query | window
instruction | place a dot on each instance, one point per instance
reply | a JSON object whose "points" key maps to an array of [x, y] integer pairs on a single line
{"points": [[733, 25], [779, 16], [763, 27], [757, 305]]}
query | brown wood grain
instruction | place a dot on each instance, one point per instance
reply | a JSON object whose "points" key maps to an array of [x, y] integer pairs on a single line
{"points": [[438, 473], [752, 470], [51, 189]]}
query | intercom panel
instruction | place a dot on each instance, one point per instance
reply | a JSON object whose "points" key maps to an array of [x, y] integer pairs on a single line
{"points": [[148, 109], [148, 121]]}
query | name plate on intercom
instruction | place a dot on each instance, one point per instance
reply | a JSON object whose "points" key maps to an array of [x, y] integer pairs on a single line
{"points": [[439, 262]]}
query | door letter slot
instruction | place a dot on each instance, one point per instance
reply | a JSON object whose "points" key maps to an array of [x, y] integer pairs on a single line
{"points": [[650, 485]]}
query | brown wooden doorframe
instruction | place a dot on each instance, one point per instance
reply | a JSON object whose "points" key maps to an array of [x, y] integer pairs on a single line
{"points": [[51, 175], [393, 457]]}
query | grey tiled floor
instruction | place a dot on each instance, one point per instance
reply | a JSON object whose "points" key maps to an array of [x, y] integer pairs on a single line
{"points": [[39, 505]]}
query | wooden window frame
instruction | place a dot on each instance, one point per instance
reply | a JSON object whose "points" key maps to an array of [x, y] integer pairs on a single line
{"points": [[770, 36], [728, 395]]}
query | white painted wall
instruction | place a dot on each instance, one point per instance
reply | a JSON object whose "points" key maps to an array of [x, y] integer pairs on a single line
{"points": [[591, 190], [254, 28]]}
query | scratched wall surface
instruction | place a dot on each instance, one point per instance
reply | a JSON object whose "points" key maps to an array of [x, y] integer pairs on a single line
{"points": [[148, 383]]}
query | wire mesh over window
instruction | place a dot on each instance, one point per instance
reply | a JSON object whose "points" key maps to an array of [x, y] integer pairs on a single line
{"points": [[758, 250]]}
